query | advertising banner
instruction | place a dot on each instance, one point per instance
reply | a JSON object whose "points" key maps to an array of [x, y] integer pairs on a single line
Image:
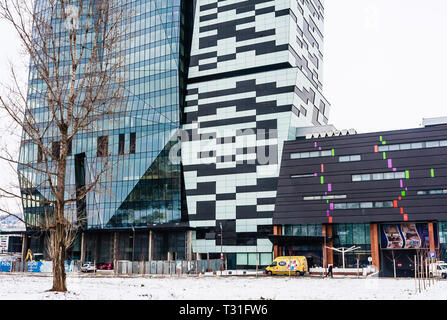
{"points": [[5, 266], [406, 236], [40, 266]]}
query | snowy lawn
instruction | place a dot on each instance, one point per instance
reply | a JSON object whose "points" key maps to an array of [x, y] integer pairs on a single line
{"points": [[33, 287]]}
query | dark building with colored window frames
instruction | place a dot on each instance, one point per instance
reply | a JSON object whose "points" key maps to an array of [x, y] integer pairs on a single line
{"points": [[384, 192]]}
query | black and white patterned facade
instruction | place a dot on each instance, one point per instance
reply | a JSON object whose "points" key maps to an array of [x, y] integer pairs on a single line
{"points": [[255, 75]]}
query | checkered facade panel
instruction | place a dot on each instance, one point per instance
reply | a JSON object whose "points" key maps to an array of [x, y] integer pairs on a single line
{"points": [[254, 76]]}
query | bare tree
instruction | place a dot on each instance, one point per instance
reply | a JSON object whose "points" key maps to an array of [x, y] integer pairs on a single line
{"points": [[75, 87]]}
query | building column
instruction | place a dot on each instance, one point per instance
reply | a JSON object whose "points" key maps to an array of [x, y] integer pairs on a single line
{"points": [[431, 236], [82, 248], [115, 248], [151, 246], [96, 249], [328, 253], [374, 235], [189, 245], [277, 250]]}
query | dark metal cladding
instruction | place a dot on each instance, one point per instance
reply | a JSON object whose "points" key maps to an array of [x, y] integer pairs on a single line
{"points": [[350, 184]]}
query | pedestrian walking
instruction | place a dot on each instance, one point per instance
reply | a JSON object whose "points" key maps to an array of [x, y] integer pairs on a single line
{"points": [[329, 271]]}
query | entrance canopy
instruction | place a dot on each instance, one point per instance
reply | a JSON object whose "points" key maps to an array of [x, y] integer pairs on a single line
{"points": [[280, 240]]}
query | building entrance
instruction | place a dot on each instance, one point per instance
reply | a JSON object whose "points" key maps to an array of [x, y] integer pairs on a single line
{"points": [[402, 259], [314, 257], [401, 243]]}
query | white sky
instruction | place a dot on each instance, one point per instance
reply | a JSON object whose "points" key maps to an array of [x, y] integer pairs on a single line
{"points": [[385, 61]]}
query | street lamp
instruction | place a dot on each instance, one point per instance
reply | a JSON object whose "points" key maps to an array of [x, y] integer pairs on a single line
{"points": [[343, 251], [221, 253]]}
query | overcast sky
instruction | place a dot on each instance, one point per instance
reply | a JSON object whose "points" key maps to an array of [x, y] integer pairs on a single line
{"points": [[385, 62]]}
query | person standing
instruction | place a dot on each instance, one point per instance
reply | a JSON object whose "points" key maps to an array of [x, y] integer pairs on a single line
{"points": [[329, 272]]}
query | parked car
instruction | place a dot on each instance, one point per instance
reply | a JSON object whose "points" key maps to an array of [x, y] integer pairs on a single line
{"points": [[288, 265], [438, 269], [88, 267], [104, 266]]}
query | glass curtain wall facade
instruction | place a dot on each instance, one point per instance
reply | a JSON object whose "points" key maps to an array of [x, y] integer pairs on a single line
{"points": [[442, 225], [348, 235], [145, 187]]}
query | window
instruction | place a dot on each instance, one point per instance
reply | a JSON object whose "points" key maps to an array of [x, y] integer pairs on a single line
{"points": [[70, 148], [314, 154], [388, 204], [352, 158], [296, 176], [266, 258], [133, 138], [363, 205], [388, 175], [102, 146], [378, 176], [353, 205], [312, 198], [332, 197], [405, 146], [56, 149], [121, 144], [378, 204], [399, 175], [431, 192], [393, 147], [366, 205], [432, 144], [415, 145], [39, 154], [303, 230], [241, 259], [366, 177]]}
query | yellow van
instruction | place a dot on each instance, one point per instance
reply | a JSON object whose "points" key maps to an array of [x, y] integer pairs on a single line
{"points": [[288, 265]]}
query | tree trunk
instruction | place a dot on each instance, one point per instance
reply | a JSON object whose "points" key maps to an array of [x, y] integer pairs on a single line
{"points": [[58, 242]]}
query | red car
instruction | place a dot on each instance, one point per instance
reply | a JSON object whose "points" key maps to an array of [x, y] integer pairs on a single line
{"points": [[105, 266]]}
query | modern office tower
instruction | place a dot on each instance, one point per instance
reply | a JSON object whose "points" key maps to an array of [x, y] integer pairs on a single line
{"points": [[145, 190], [255, 75], [238, 77]]}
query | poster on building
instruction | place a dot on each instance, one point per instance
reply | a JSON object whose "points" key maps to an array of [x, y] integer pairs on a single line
{"points": [[393, 237], [412, 238], [406, 236]]}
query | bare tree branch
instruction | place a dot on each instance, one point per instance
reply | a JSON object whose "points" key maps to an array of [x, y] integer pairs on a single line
{"points": [[75, 82]]}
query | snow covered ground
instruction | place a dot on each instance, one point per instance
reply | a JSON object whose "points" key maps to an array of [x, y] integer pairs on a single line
{"points": [[16, 287]]}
